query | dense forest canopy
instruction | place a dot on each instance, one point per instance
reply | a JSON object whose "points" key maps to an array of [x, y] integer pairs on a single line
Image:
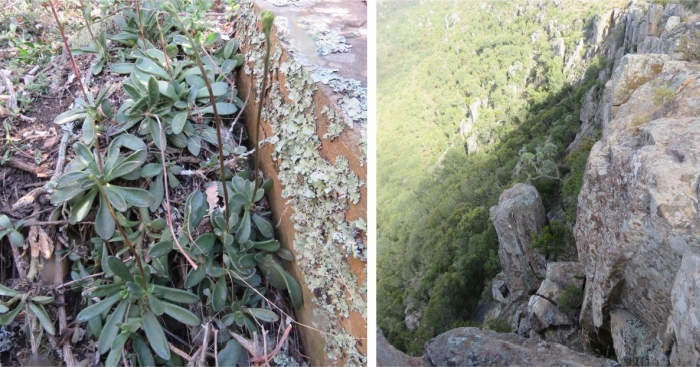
{"points": [[473, 97]]}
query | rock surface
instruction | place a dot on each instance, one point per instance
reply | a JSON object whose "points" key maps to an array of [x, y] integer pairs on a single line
{"points": [[638, 208], [634, 343], [499, 288], [387, 355], [684, 322], [632, 72], [518, 217], [475, 347]]}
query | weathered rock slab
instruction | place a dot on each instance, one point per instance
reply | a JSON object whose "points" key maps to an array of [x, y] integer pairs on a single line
{"points": [[684, 321], [634, 343], [388, 356], [475, 347], [632, 72]]}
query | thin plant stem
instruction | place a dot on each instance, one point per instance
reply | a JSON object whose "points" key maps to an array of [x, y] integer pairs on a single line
{"points": [[121, 230], [138, 13], [217, 118], [167, 201], [87, 22], [260, 107], [70, 54]]}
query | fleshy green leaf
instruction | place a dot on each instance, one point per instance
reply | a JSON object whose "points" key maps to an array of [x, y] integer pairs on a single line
{"points": [[263, 225], [218, 88], [44, 300], [231, 353], [263, 314], [196, 208], [81, 209], [143, 352], [70, 115], [156, 304], [17, 239], [203, 244], [44, 319], [104, 224], [175, 295], [117, 266], [161, 248], [151, 67], [223, 108], [195, 277], [155, 335], [88, 130], [130, 164], [151, 169], [134, 196], [153, 92], [178, 122], [5, 291], [271, 245], [243, 232], [294, 291], [6, 319], [230, 48], [157, 189], [98, 308], [180, 314], [122, 68], [110, 329], [117, 201], [219, 294]]}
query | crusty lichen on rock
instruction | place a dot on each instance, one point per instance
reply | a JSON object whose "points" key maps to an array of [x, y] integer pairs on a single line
{"points": [[319, 192]]}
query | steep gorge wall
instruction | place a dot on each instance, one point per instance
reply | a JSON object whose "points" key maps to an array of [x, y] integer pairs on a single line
{"points": [[638, 217]]}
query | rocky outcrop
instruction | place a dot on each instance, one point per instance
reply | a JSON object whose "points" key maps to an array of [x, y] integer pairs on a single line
{"points": [[518, 217], [635, 344], [475, 347], [638, 208], [682, 337], [388, 356]]}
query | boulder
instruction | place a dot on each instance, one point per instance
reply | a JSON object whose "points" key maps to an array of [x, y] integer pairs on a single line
{"points": [[518, 218], [499, 289], [634, 343], [684, 322], [638, 207], [544, 312], [475, 347], [387, 355]]}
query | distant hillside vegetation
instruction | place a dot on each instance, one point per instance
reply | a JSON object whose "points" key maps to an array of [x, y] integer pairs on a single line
{"points": [[473, 96]]}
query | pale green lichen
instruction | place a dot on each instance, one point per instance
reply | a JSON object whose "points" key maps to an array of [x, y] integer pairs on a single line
{"points": [[326, 40], [335, 124], [319, 192]]}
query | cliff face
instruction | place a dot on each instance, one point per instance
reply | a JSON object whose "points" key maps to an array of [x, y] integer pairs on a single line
{"points": [[638, 218]]}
